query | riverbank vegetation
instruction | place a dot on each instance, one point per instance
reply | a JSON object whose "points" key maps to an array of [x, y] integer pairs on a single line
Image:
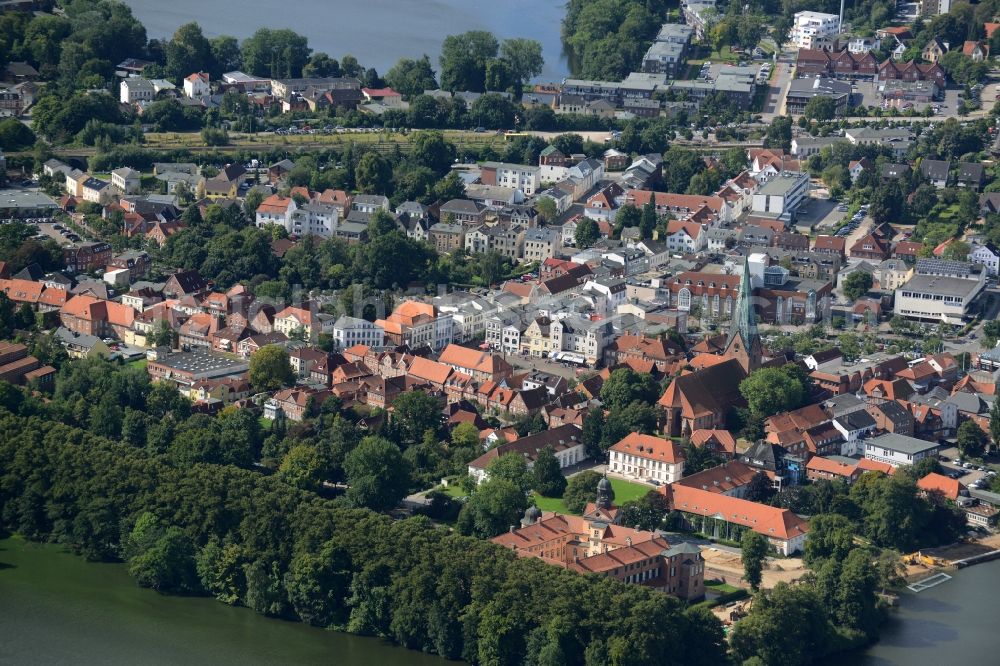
{"points": [[254, 540]]}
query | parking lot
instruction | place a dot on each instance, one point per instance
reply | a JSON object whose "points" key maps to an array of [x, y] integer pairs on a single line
{"points": [[972, 476], [49, 229], [817, 213]]}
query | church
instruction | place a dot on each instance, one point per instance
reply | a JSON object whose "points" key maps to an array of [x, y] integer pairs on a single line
{"points": [[597, 543], [703, 399]]}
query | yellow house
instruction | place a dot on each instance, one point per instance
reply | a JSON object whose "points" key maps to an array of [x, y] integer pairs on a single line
{"points": [[536, 340], [219, 188]]}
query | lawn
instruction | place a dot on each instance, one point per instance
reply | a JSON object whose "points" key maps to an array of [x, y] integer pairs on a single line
{"points": [[720, 588], [139, 363], [550, 503], [454, 491], [625, 491]]}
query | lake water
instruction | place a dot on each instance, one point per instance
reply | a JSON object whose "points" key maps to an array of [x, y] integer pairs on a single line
{"points": [[952, 623], [56, 608], [376, 32]]}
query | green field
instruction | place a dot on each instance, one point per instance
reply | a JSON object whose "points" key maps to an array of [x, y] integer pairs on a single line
{"points": [[625, 491], [139, 363]]}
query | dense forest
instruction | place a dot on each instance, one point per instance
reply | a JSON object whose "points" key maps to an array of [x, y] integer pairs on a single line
{"points": [[253, 540]]}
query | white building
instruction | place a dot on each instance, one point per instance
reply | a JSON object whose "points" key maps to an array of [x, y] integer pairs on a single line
{"points": [[565, 441], [197, 86], [125, 180], [350, 331], [987, 256], [521, 177], [581, 336], [276, 209], [899, 450], [811, 29], [314, 219], [540, 244], [782, 195], [647, 458], [135, 89], [935, 298]]}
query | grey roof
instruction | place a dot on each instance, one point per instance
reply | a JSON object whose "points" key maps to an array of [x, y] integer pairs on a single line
{"points": [[936, 284], [970, 172], [943, 267], [782, 184], [541, 235], [84, 340], [371, 199], [902, 443], [971, 403], [857, 420], [464, 206], [935, 169], [25, 199], [895, 170], [819, 87]]}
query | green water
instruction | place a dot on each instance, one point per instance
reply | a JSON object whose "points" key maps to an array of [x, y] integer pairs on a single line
{"points": [[56, 608]]}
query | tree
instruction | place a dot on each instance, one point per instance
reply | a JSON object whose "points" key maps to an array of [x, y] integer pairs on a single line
{"points": [[625, 386], [546, 207], [831, 535], [857, 284], [780, 28], [887, 203], [648, 222], [627, 216], [580, 489], [779, 133], [15, 135], [970, 440], [226, 55], [302, 467], [647, 513], [270, 369], [512, 467], [753, 550], [411, 77], [787, 625], [548, 478], [279, 54], [463, 60], [995, 423], [317, 585], [188, 52], [820, 108], [373, 175], [495, 505], [587, 233], [377, 474], [524, 57], [760, 489], [432, 151], [772, 390], [414, 413]]}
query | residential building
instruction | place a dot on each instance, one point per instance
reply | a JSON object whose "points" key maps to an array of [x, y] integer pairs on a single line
{"points": [[349, 331], [936, 171], [812, 30], [565, 441], [417, 324], [596, 543], [125, 180], [986, 255], [197, 85], [134, 89], [540, 244], [516, 176], [647, 458], [802, 91], [86, 257], [897, 450], [447, 237], [935, 298]]}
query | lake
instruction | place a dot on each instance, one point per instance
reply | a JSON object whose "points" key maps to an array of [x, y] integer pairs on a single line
{"points": [[376, 32], [57, 608], [952, 623]]}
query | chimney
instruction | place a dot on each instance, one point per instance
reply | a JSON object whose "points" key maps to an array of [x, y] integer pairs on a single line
{"points": [[512, 528], [628, 541]]}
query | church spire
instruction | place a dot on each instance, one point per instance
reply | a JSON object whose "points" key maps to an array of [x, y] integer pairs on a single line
{"points": [[744, 322]]}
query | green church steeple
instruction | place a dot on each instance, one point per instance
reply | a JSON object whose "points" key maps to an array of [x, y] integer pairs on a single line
{"points": [[744, 320]]}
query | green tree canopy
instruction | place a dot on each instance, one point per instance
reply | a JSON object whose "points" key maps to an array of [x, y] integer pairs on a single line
{"points": [[270, 369], [377, 475]]}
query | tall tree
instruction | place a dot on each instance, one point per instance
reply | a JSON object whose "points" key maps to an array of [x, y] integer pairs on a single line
{"points": [[753, 550], [548, 479], [378, 476], [270, 369]]}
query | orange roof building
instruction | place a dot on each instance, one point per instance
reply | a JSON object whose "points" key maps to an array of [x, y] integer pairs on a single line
{"points": [[647, 458], [715, 514], [943, 485]]}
